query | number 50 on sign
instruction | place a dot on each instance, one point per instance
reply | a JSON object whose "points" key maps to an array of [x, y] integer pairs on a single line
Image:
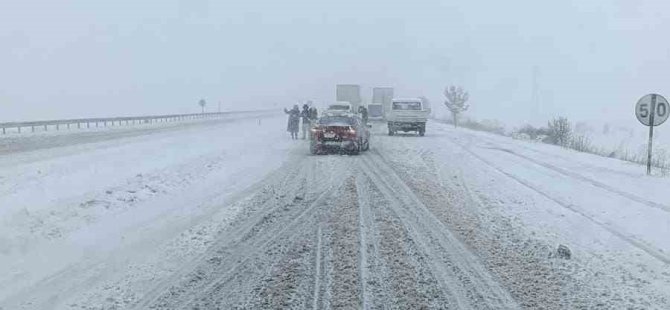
{"points": [[652, 108]]}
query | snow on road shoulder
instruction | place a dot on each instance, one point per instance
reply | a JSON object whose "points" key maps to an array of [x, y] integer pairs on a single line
{"points": [[112, 203], [528, 208]]}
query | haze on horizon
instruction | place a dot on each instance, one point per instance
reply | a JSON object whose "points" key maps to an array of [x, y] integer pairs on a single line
{"points": [[592, 60]]}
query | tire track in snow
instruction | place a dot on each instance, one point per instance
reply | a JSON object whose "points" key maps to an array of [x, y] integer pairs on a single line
{"points": [[459, 272], [250, 250], [405, 279], [651, 251], [243, 242], [317, 268], [363, 262], [375, 290], [590, 181], [341, 277], [266, 207], [521, 266]]}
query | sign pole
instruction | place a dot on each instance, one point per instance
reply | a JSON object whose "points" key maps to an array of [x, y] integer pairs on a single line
{"points": [[651, 132]]}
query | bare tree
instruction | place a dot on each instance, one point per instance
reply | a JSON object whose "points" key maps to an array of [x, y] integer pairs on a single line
{"points": [[202, 103], [560, 131], [456, 99]]}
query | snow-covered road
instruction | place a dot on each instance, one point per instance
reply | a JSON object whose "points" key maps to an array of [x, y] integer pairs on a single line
{"points": [[236, 215]]}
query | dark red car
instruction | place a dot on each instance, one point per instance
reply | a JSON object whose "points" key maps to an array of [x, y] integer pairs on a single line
{"points": [[339, 133]]}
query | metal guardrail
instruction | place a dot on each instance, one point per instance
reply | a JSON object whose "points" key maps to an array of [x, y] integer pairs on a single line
{"points": [[129, 120]]}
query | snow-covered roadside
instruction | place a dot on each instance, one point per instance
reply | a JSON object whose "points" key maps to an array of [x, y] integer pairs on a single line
{"points": [[65, 210], [615, 192], [532, 196], [30, 141]]}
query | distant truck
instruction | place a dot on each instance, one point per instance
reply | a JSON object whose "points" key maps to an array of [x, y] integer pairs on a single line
{"points": [[407, 114], [350, 93], [375, 111], [381, 97]]}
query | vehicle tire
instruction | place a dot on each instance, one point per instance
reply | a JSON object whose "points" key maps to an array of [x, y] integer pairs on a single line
{"points": [[312, 147], [366, 145], [422, 132], [391, 132]]}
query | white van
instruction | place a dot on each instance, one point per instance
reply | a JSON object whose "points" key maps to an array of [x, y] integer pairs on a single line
{"points": [[407, 114], [340, 107]]}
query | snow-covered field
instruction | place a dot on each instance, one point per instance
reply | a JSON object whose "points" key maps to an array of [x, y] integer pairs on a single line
{"points": [[71, 209], [234, 214]]}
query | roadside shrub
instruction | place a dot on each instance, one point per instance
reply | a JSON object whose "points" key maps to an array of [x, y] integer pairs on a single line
{"points": [[582, 143], [533, 132], [560, 131]]}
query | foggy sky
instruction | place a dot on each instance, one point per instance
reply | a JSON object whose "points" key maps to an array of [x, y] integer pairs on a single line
{"points": [[80, 58]]}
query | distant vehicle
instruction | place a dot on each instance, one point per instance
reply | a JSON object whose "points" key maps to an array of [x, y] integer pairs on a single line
{"points": [[340, 133], [350, 93], [407, 114], [375, 111], [339, 108], [381, 98]]}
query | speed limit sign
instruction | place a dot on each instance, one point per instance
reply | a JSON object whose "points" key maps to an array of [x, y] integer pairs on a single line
{"points": [[652, 108]]}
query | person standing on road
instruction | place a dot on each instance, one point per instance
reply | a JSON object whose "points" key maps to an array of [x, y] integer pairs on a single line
{"points": [[305, 121], [293, 121], [364, 114]]}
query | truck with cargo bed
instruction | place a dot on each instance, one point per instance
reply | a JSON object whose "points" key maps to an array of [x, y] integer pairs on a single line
{"points": [[407, 114], [350, 93]]}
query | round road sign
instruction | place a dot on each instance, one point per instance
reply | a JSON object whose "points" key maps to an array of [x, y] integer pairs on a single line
{"points": [[652, 107]]}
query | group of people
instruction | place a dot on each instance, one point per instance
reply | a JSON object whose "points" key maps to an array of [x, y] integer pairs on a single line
{"points": [[308, 115]]}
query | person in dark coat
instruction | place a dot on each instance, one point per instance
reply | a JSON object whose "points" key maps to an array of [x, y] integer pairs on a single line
{"points": [[306, 121], [293, 121], [364, 113]]}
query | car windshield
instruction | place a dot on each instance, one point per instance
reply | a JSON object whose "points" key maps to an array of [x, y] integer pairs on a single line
{"points": [[337, 121], [406, 105], [339, 107], [344, 154]]}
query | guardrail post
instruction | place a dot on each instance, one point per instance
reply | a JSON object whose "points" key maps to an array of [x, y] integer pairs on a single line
{"points": [[57, 126], [19, 128], [45, 128], [3, 131], [79, 125], [32, 129]]}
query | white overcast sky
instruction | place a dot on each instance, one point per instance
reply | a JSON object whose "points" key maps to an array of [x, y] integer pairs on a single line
{"points": [[92, 58]]}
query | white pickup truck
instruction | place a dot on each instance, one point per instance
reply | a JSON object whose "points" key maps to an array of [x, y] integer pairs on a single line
{"points": [[407, 114]]}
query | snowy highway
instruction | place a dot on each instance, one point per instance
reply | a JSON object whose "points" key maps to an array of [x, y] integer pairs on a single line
{"points": [[233, 214]]}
